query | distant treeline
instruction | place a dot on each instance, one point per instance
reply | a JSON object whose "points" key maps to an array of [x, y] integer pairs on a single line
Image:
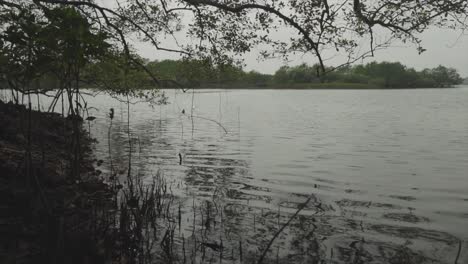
{"points": [[203, 74], [197, 73], [371, 75], [374, 74]]}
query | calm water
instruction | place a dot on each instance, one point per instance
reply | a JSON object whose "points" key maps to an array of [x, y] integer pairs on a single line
{"points": [[388, 169]]}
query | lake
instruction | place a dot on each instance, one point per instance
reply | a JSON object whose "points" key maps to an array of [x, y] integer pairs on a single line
{"points": [[387, 170]]}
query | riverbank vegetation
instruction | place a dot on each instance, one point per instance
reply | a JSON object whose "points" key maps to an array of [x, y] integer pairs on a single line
{"points": [[49, 213]]}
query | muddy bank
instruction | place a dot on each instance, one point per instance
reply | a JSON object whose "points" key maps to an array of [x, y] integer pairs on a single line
{"points": [[51, 211]]}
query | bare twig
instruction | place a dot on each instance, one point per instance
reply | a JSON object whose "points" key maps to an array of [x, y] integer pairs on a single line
{"points": [[300, 208]]}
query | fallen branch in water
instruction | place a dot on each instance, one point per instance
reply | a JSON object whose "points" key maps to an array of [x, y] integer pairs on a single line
{"points": [[219, 124], [301, 207], [459, 251]]}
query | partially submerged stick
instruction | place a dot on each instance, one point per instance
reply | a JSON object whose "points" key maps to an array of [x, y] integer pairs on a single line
{"points": [[214, 121], [301, 207]]}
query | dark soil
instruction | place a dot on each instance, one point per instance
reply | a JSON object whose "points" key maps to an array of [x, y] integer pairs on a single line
{"points": [[48, 212]]}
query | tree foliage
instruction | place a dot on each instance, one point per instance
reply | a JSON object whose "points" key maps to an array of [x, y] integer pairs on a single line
{"points": [[62, 47], [57, 42]]}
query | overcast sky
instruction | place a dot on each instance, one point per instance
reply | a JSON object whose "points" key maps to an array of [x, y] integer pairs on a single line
{"points": [[444, 47]]}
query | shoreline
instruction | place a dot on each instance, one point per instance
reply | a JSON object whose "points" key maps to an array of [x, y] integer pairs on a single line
{"points": [[346, 87], [331, 86], [306, 89], [46, 215]]}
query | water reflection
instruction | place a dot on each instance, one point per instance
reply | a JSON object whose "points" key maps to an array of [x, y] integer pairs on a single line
{"points": [[377, 193]]}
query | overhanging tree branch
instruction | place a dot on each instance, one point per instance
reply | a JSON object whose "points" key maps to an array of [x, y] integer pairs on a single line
{"points": [[241, 7]]}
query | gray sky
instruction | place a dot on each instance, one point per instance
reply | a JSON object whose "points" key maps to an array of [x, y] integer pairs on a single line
{"points": [[444, 47]]}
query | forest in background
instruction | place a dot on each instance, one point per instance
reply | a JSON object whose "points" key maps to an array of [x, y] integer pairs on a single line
{"points": [[370, 75], [108, 75]]}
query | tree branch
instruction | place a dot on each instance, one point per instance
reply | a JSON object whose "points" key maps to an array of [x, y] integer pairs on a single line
{"points": [[239, 8]]}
